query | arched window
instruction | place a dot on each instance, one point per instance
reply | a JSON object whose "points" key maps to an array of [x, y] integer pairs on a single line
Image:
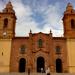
{"points": [[58, 50], [73, 24], [5, 23], [22, 49], [40, 43]]}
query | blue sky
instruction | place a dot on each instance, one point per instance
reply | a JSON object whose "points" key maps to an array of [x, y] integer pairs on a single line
{"points": [[38, 15]]}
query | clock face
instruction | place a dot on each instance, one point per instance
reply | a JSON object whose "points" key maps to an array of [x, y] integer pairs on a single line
{"points": [[4, 33]]}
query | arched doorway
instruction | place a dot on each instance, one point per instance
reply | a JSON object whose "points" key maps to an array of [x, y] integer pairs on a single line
{"points": [[22, 65], [40, 64], [58, 65]]}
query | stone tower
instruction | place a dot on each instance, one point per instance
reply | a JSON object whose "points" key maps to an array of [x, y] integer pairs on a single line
{"points": [[7, 32], [69, 33], [69, 21], [7, 22]]}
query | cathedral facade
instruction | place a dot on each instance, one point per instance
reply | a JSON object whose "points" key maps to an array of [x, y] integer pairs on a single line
{"points": [[38, 51]]}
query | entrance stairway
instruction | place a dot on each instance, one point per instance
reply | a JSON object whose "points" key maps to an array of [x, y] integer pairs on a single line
{"points": [[36, 73]]}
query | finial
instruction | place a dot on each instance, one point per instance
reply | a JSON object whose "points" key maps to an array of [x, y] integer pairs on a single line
{"points": [[9, 8], [50, 31], [30, 31], [69, 6], [9, 5]]}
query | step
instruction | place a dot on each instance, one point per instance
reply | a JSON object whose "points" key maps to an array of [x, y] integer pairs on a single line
{"points": [[14, 73]]}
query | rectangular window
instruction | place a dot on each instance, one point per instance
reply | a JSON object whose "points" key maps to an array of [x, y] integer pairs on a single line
{"points": [[58, 50], [22, 49], [40, 43]]}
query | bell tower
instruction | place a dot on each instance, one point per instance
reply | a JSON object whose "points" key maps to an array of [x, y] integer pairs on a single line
{"points": [[69, 33], [7, 32], [69, 22], [7, 22]]}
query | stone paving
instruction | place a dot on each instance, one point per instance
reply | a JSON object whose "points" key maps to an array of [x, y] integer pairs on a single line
{"points": [[36, 73]]}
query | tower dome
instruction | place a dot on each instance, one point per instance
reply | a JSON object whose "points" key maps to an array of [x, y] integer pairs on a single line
{"points": [[69, 7], [9, 5], [9, 8]]}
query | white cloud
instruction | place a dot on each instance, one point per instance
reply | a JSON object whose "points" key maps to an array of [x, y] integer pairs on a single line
{"points": [[53, 20], [51, 14], [24, 20], [1, 5]]}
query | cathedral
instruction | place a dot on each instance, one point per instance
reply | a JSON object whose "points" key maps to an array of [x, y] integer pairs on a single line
{"points": [[38, 51]]}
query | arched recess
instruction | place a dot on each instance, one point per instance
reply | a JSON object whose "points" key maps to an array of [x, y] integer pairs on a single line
{"points": [[22, 65], [40, 64], [73, 24], [58, 65], [5, 23]]}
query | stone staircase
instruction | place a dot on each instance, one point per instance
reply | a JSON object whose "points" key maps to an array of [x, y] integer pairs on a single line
{"points": [[36, 73]]}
